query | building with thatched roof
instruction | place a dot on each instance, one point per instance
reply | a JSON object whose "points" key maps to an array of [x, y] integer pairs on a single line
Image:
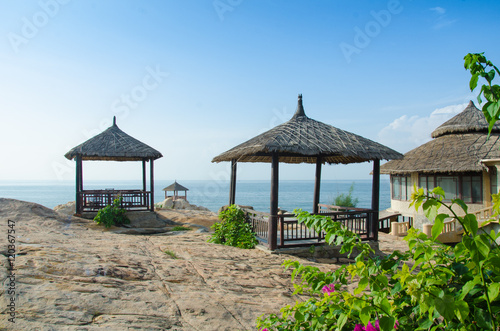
{"points": [[176, 188], [305, 140], [113, 145], [460, 158]]}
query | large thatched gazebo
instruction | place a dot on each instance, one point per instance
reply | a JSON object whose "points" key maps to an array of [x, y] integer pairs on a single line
{"points": [[113, 145], [460, 158], [304, 140]]}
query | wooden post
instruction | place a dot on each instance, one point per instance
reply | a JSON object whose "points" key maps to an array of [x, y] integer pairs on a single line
{"points": [[273, 218], [144, 187], [232, 185], [373, 233], [78, 184], [317, 184], [152, 183]]}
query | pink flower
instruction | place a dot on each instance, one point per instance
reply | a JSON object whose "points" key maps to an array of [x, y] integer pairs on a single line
{"points": [[396, 324], [359, 327], [369, 327], [264, 329], [327, 289]]}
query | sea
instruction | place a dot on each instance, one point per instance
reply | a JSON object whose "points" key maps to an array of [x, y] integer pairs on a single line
{"points": [[208, 193]]}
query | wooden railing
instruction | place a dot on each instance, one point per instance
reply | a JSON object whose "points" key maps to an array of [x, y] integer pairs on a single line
{"points": [[93, 200], [291, 233]]}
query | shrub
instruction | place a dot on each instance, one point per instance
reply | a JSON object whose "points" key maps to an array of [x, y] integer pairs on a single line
{"points": [[112, 215], [430, 287], [346, 200], [233, 230]]}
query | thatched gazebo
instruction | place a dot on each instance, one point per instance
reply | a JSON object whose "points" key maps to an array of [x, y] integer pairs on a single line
{"points": [[113, 145], [304, 140], [176, 188], [460, 158]]}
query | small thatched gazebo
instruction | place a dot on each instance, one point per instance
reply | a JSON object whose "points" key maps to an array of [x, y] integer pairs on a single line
{"points": [[460, 158], [176, 188], [304, 140], [113, 145]]}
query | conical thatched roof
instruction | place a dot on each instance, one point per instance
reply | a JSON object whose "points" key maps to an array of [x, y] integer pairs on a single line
{"points": [[113, 145], [302, 140], [471, 119], [175, 187], [459, 145]]}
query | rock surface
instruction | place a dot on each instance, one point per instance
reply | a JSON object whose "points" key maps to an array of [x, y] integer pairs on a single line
{"points": [[71, 274], [169, 203]]}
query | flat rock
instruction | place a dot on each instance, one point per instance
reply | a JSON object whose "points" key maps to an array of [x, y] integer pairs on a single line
{"points": [[71, 274]]}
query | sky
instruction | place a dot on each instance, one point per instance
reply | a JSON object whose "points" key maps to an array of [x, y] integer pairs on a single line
{"points": [[193, 79]]}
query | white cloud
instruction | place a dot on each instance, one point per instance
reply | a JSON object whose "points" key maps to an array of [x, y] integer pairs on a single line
{"points": [[442, 19], [438, 10], [407, 132]]}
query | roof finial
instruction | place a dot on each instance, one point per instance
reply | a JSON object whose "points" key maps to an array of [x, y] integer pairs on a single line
{"points": [[114, 120], [300, 108]]}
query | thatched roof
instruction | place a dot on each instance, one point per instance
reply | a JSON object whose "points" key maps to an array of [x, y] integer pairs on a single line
{"points": [[459, 145], [175, 187], [302, 140], [113, 145], [469, 120]]}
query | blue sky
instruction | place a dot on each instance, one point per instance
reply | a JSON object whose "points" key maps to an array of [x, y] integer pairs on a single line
{"points": [[195, 78]]}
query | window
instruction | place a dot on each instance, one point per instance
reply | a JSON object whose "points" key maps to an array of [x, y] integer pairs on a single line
{"points": [[465, 187], [401, 187]]}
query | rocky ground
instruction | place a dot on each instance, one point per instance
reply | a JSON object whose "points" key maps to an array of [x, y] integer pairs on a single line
{"points": [[71, 274]]}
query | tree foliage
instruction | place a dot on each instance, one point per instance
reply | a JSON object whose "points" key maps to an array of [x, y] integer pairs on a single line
{"points": [[480, 66], [346, 200]]}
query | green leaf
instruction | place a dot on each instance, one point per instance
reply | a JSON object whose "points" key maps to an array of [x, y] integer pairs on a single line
{"points": [[461, 310], [483, 318], [437, 228], [470, 223], [446, 306], [386, 323], [438, 191], [473, 82], [363, 283], [493, 291], [461, 204], [364, 315], [430, 209], [482, 245]]}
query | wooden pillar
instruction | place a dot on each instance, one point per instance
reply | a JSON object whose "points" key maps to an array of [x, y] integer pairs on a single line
{"points": [[78, 184], [373, 233], [152, 183], [144, 187], [232, 185], [317, 183], [273, 218]]}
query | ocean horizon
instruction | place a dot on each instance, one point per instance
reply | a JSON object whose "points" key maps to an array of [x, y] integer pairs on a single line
{"points": [[207, 193]]}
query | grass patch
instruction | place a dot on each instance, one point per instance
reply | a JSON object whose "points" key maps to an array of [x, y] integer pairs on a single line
{"points": [[171, 254], [180, 228]]}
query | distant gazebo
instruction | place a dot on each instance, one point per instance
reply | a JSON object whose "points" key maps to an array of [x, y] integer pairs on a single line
{"points": [[176, 188], [113, 145], [304, 140]]}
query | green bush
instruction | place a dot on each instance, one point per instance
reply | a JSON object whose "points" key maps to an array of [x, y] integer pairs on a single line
{"points": [[112, 215], [346, 200], [233, 230]]}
